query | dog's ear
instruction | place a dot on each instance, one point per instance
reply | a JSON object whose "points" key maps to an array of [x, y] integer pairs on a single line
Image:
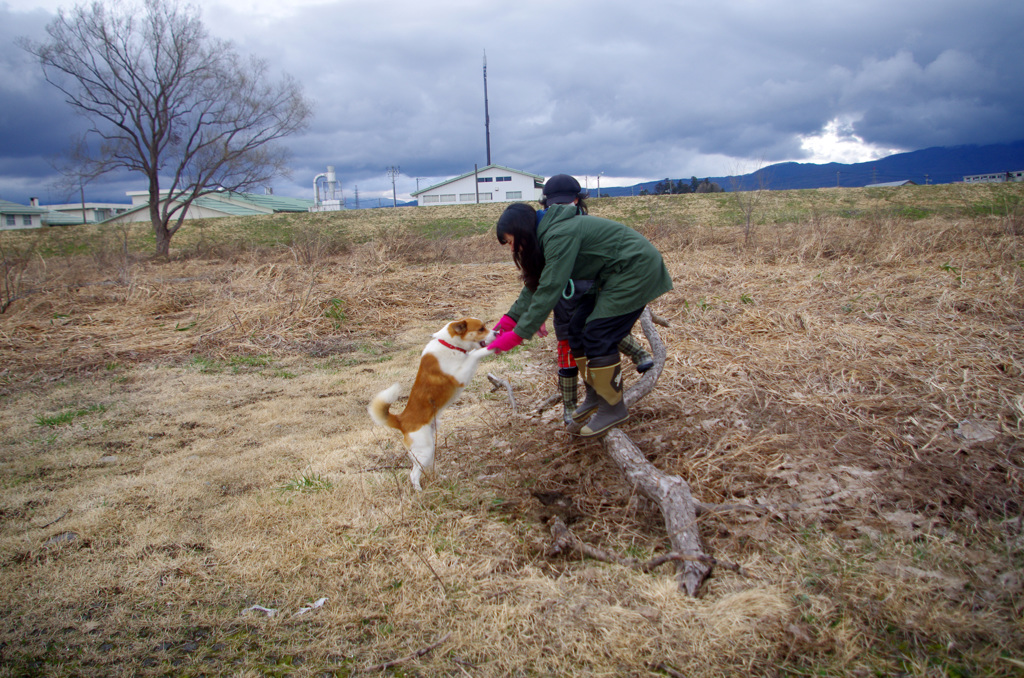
{"points": [[456, 329]]}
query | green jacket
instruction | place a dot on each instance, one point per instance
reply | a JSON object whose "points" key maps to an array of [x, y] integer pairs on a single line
{"points": [[626, 268]]}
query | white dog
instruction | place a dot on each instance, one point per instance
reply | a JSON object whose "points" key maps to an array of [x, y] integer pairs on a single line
{"points": [[447, 364]]}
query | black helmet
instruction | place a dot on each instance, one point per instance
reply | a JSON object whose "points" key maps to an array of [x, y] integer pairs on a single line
{"points": [[561, 189]]}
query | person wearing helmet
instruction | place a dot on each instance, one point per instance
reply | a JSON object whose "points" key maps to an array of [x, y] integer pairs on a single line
{"points": [[565, 189], [565, 245]]}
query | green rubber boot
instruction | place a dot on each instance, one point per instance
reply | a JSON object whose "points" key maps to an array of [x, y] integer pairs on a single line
{"points": [[590, 398], [568, 385]]}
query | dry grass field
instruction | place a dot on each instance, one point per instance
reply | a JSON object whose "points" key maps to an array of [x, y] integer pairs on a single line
{"points": [[190, 484]]}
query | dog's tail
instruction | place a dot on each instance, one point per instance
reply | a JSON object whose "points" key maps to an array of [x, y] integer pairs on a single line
{"points": [[380, 407]]}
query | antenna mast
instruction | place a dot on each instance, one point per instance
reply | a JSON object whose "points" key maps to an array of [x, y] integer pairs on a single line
{"points": [[487, 115]]}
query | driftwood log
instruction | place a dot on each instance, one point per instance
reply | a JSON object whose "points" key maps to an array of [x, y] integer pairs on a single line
{"points": [[671, 493]]}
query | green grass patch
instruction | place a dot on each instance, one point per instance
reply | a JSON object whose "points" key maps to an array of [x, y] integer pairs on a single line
{"points": [[306, 483], [67, 416], [239, 363], [335, 311]]}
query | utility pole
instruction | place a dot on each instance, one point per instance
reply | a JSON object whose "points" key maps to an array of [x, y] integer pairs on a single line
{"points": [[487, 115], [393, 172], [357, 196]]}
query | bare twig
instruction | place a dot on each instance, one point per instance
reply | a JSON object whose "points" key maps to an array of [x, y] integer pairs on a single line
{"points": [[565, 540], [433, 572], [56, 520], [658, 320], [548, 402], [499, 383], [414, 655], [703, 508]]}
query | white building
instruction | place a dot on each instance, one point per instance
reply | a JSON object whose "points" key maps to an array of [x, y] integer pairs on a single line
{"points": [[13, 215], [492, 183], [87, 213], [994, 177]]}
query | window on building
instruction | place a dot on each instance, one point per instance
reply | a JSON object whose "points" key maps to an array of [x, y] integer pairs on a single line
{"points": [[486, 196], [11, 220], [484, 180], [429, 198], [467, 197], [503, 179], [513, 195], [26, 220], [447, 197]]}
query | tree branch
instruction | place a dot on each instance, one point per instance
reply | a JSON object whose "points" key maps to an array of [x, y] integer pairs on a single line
{"points": [[414, 655]]}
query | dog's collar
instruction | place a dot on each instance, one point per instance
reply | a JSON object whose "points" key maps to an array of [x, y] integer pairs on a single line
{"points": [[455, 348]]}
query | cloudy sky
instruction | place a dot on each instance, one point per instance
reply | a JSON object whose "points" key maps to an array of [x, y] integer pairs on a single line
{"points": [[629, 90]]}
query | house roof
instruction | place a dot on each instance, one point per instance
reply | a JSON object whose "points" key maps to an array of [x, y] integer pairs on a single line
{"points": [[229, 205], [884, 184], [72, 206], [278, 203], [239, 204], [536, 177], [54, 218], [8, 207]]}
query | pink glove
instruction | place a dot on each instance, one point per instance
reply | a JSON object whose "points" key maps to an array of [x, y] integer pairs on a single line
{"points": [[506, 342], [504, 325], [543, 331]]}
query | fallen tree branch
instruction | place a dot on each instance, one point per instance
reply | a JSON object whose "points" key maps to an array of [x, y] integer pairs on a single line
{"points": [[414, 655], [499, 383], [671, 493]]}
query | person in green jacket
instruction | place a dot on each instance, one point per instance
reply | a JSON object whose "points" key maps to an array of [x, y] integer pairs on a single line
{"points": [[628, 273], [564, 189]]}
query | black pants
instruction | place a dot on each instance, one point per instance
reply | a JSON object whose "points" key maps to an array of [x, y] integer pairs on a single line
{"points": [[599, 337]]}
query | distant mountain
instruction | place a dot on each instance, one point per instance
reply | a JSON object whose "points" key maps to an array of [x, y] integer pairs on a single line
{"points": [[939, 165]]}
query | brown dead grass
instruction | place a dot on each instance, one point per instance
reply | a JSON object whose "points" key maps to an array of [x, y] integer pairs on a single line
{"points": [[859, 377]]}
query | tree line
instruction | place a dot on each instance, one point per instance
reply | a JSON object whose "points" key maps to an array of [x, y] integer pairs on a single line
{"points": [[695, 185]]}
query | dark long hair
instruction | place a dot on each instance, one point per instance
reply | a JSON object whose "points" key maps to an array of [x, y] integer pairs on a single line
{"points": [[519, 220], [581, 203]]}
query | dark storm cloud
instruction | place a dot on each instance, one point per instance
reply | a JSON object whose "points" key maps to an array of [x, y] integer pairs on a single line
{"points": [[649, 89], [35, 125]]}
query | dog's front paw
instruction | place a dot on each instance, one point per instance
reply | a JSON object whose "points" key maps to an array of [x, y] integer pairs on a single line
{"points": [[479, 353]]}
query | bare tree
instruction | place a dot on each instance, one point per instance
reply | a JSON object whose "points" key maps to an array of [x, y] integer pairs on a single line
{"points": [[749, 197], [168, 100]]}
